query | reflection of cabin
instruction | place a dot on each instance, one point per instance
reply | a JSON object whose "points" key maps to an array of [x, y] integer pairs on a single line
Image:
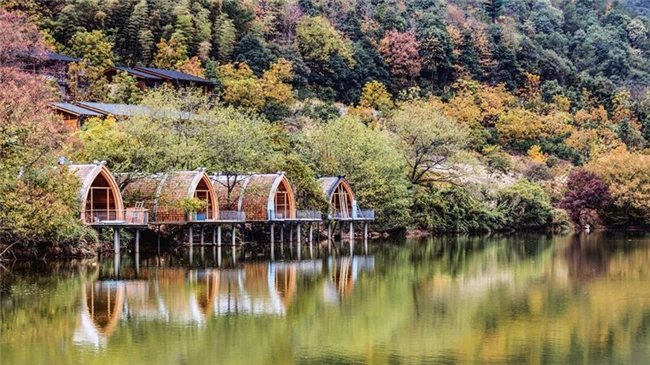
{"points": [[344, 273], [73, 116], [167, 196], [99, 194], [262, 197], [101, 307], [340, 196]]}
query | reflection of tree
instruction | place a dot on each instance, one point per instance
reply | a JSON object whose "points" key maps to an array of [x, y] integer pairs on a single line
{"points": [[587, 257]]}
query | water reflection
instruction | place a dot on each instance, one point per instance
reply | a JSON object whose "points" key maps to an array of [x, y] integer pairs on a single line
{"points": [[500, 299]]}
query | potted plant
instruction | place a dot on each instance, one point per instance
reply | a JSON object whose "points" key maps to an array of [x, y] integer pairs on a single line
{"points": [[192, 207]]}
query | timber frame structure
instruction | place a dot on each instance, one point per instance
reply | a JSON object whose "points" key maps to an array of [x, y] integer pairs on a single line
{"points": [[261, 197], [169, 195], [99, 196]]}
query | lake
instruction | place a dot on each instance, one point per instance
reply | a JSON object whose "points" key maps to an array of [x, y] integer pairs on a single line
{"points": [[500, 299]]}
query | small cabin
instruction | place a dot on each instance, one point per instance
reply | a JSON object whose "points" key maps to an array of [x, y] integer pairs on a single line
{"points": [[339, 193], [262, 197], [178, 79], [99, 195], [143, 80], [180, 196], [73, 116]]}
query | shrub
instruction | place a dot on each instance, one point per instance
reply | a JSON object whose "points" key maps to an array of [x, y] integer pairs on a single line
{"points": [[525, 205]]}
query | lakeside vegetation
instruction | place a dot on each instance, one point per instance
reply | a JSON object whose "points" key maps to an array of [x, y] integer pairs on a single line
{"points": [[465, 116]]}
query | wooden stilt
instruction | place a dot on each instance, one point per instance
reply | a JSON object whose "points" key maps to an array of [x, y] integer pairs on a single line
{"points": [[219, 236], [351, 237], [311, 237], [329, 237], [234, 236], [214, 236], [272, 241], [202, 235], [282, 237], [137, 241], [116, 240], [365, 237], [298, 239], [191, 237]]}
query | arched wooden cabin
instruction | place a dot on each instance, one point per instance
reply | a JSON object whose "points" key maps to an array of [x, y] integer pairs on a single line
{"points": [[167, 195], [263, 197], [99, 195], [340, 196]]}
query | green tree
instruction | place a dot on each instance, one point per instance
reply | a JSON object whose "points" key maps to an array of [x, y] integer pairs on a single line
{"points": [[430, 140], [370, 159], [93, 47], [318, 41]]}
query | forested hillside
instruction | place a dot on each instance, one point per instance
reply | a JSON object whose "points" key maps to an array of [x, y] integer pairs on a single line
{"points": [[446, 116], [337, 46]]}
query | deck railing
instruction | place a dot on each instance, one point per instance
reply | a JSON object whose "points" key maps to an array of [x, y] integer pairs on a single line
{"points": [[125, 216], [232, 215], [309, 215], [368, 214]]}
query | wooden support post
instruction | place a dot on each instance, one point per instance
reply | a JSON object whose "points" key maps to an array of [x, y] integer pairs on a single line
{"points": [[311, 237], [202, 235], [116, 240], [219, 256], [291, 234], [272, 241], [214, 236], [351, 237], [329, 237], [191, 237], [298, 234], [219, 235], [365, 237], [282, 237], [234, 237], [137, 241], [137, 264], [116, 265]]}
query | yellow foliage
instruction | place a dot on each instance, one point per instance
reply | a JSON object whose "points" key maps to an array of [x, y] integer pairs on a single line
{"points": [[535, 153], [594, 142], [628, 177], [517, 125], [375, 95], [242, 87]]}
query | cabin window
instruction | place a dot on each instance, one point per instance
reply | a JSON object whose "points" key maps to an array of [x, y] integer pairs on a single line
{"points": [[341, 202], [100, 203], [203, 193], [282, 206]]}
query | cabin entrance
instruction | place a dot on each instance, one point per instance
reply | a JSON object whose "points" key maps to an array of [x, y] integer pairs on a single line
{"points": [[101, 204], [202, 192], [341, 203], [282, 202]]}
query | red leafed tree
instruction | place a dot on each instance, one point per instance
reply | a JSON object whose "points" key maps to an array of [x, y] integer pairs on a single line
{"points": [[38, 206], [20, 41], [400, 51], [586, 195]]}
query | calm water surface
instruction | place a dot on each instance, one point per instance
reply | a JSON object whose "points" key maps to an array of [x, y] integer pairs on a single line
{"points": [[573, 299]]}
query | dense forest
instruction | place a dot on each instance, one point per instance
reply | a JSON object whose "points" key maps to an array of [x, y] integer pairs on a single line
{"points": [[446, 115]]}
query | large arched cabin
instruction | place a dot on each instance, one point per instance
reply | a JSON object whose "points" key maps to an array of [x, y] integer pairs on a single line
{"points": [[99, 195], [262, 197], [339, 193], [180, 196]]}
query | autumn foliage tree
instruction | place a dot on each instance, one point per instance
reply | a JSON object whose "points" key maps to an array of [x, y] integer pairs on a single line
{"points": [[38, 205], [401, 52], [586, 195]]}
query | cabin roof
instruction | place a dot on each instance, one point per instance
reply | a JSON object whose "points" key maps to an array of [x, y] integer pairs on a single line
{"points": [[329, 183], [75, 109], [53, 56], [124, 110], [137, 73], [88, 173], [174, 75], [252, 194]]}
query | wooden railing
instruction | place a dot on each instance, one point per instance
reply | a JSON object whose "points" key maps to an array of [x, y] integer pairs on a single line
{"points": [[232, 215], [125, 216], [314, 215]]}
